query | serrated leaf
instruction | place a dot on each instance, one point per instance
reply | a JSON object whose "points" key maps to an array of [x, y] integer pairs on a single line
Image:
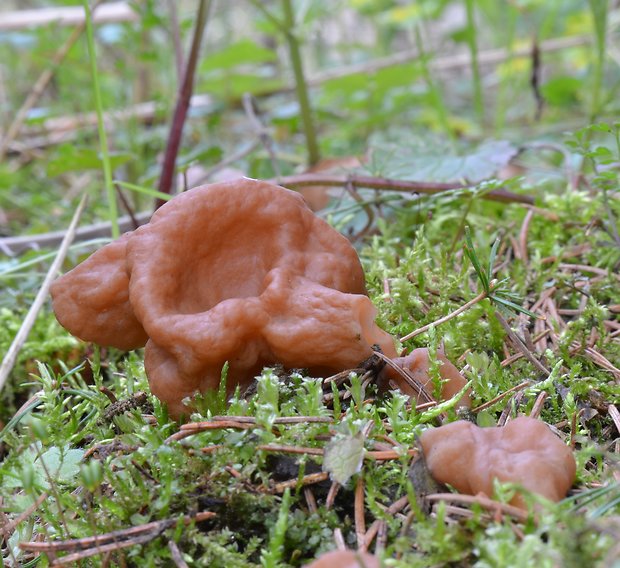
{"points": [[344, 456], [404, 160]]}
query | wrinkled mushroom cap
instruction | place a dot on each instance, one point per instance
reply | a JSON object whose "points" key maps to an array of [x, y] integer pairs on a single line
{"points": [[238, 271], [345, 559], [416, 366], [525, 451]]}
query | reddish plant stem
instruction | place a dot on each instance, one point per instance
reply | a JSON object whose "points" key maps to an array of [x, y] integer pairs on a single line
{"points": [[183, 99], [429, 188]]}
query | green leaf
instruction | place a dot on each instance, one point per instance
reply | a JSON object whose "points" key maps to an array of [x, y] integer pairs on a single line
{"points": [[428, 161], [492, 256], [144, 190], [470, 251], [562, 91], [243, 52], [62, 465], [71, 159], [235, 85], [344, 456], [513, 306]]}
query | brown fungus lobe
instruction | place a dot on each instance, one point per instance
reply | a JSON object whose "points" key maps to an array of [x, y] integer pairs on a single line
{"points": [[525, 451], [416, 366], [239, 272], [345, 559]]}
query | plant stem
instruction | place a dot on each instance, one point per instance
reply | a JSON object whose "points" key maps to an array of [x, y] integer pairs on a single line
{"points": [[599, 16], [300, 83], [103, 140], [434, 91], [444, 319], [475, 68], [183, 99], [369, 182]]}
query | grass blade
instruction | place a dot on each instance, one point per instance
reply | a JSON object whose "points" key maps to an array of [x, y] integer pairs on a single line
{"points": [[103, 140]]}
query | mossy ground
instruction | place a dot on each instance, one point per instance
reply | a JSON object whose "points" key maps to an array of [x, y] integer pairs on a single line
{"points": [[104, 471]]}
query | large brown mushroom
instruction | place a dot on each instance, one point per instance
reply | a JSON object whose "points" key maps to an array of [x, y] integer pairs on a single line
{"points": [[525, 452], [239, 272]]}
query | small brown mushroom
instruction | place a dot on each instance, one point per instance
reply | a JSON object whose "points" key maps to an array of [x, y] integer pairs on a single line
{"points": [[239, 272], [416, 367], [525, 451], [345, 559]]}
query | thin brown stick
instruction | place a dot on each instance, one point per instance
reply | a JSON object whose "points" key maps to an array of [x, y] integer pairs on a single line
{"points": [[309, 479], [523, 236], [369, 182], [252, 420], [360, 522], [110, 537], [7, 529], [587, 268], [310, 500], [290, 449], [484, 502], [339, 539], [230, 159], [520, 345], [126, 205], [382, 538], [499, 397], [262, 133], [446, 318], [538, 404], [105, 549], [12, 246], [177, 557], [384, 455], [614, 415], [331, 494], [204, 426]]}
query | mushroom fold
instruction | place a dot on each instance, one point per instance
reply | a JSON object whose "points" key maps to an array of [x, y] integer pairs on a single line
{"points": [[525, 452], [419, 383], [240, 272]]}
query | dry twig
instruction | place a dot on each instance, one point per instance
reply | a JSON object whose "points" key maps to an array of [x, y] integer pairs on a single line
{"points": [[103, 543], [11, 355]]}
